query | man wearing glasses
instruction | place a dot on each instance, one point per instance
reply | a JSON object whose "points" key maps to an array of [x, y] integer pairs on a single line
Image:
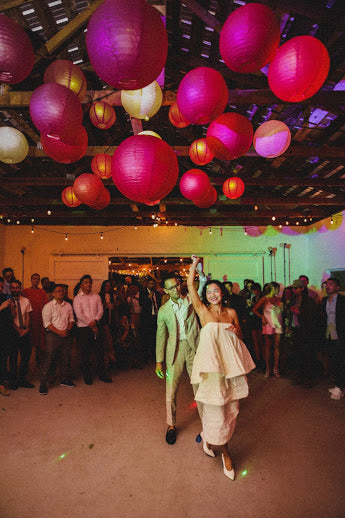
{"points": [[176, 343]]}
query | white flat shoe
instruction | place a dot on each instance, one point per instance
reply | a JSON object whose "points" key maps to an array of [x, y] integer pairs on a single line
{"points": [[230, 474], [206, 449]]}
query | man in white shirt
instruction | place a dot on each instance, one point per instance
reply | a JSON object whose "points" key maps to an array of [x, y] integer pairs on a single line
{"points": [[58, 320], [88, 309]]}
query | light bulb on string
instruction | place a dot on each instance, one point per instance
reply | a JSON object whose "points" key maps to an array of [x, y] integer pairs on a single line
{"points": [[297, 222], [66, 237], [8, 220], [175, 224], [255, 207], [32, 230], [245, 232], [280, 226], [153, 215], [18, 222], [49, 212], [210, 230], [135, 228], [332, 221], [273, 218], [305, 220], [286, 222], [101, 235], [32, 220]]}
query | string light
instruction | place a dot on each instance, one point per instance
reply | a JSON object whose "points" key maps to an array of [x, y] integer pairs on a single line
{"points": [[101, 235], [297, 222], [32, 230], [332, 221], [32, 220], [280, 226], [18, 222], [255, 207], [175, 224], [8, 220], [245, 232], [49, 212], [66, 237], [155, 225], [305, 220], [153, 215], [166, 221], [273, 218], [210, 230], [286, 222]]}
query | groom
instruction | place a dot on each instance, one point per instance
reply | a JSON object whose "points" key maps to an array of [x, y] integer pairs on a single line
{"points": [[176, 343]]}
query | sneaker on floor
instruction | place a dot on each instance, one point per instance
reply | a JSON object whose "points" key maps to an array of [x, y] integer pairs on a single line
{"points": [[43, 390], [337, 393], [68, 384], [334, 390]]}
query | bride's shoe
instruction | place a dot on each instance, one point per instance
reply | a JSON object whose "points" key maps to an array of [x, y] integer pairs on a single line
{"points": [[228, 473], [206, 449]]}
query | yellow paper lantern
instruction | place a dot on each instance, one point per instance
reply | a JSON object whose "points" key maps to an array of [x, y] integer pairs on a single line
{"points": [[149, 132], [13, 145], [65, 73], [143, 103]]}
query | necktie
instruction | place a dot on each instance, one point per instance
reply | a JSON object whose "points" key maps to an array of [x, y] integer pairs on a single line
{"points": [[20, 315]]}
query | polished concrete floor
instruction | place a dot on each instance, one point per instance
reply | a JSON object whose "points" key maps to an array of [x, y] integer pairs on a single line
{"points": [[100, 451]]}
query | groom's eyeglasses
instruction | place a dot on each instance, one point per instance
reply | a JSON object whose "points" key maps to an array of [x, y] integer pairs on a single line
{"points": [[172, 287]]}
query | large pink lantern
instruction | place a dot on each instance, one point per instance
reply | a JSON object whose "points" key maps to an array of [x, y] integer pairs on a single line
{"points": [[16, 53], [88, 187], [55, 110], [249, 38], [271, 139], [176, 118], [102, 115], [68, 151], [194, 184], [229, 136], [208, 199], [299, 69], [202, 95], [101, 165], [65, 73], [127, 43], [102, 201], [144, 168], [69, 198]]}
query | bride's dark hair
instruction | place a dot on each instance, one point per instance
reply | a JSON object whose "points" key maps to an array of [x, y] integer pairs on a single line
{"points": [[220, 286]]}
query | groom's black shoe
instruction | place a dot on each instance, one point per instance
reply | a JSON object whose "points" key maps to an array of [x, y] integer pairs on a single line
{"points": [[171, 435]]}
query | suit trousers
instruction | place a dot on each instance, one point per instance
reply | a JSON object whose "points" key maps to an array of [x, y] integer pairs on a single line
{"points": [[336, 351], [185, 355], [88, 345], [56, 344], [23, 345]]}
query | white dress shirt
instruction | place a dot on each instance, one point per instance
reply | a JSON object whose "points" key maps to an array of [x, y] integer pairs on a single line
{"points": [[331, 331], [87, 307], [181, 311], [25, 307], [59, 315]]}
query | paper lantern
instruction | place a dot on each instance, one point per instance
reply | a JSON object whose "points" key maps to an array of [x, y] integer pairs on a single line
{"points": [[143, 103], [69, 151], [55, 110], [299, 69], [272, 139], [101, 165], [16, 53], [199, 152], [65, 73], [209, 199], [233, 187], [152, 203], [102, 201], [102, 115], [144, 168], [194, 184], [87, 187], [13, 145], [149, 132], [202, 95], [69, 198], [249, 38], [176, 118], [127, 43], [229, 136]]}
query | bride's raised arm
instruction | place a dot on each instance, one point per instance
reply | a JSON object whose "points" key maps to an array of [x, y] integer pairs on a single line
{"points": [[193, 294]]}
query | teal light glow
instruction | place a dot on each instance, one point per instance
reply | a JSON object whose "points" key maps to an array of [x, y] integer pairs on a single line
{"points": [[244, 473]]}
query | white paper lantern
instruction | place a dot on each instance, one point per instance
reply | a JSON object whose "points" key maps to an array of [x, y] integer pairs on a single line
{"points": [[143, 103], [13, 145]]}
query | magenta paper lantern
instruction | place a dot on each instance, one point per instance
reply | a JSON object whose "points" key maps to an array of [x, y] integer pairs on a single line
{"points": [[208, 200], [176, 118], [102, 115], [127, 43], [249, 38], [200, 153], [101, 165], [69, 151], [87, 187], [55, 110], [229, 136], [102, 201], [299, 69], [271, 139], [69, 198], [233, 187], [202, 95], [65, 73], [194, 184], [144, 168], [152, 203], [16, 53]]}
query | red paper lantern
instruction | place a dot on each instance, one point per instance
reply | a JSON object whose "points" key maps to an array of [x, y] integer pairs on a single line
{"points": [[152, 203], [194, 184], [87, 187], [199, 152], [55, 110], [299, 69], [144, 168], [102, 115], [233, 187], [101, 165], [65, 73], [229, 136], [16, 53], [66, 152], [249, 38], [176, 118], [102, 201], [209, 199], [271, 139], [202, 95], [69, 198], [127, 43]]}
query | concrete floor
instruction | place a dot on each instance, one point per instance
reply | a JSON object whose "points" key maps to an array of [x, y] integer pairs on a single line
{"points": [[100, 451]]}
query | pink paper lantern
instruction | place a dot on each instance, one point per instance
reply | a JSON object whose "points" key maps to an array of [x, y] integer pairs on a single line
{"points": [[233, 187], [208, 200], [249, 38], [102, 115], [66, 152], [271, 139], [102, 201], [152, 203], [88, 187], [229, 136], [69, 198], [16, 52], [194, 184], [202, 95], [55, 110], [101, 165], [299, 69], [65, 73], [127, 43], [176, 118], [144, 168], [200, 153]]}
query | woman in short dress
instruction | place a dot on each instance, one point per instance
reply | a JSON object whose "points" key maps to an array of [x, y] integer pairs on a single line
{"points": [[219, 369]]}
